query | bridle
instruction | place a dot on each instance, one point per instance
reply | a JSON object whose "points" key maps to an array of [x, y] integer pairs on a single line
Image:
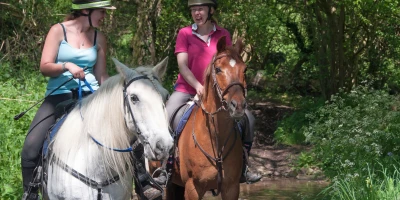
{"points": [[221, 92], [127, 108], [224, 106]]}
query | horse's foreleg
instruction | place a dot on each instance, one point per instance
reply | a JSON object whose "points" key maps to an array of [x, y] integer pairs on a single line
{"points": [[191, 192], [231, 192], [175, 192]]}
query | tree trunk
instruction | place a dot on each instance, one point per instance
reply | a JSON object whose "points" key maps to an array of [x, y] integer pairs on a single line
{"points": [[143, 42]]}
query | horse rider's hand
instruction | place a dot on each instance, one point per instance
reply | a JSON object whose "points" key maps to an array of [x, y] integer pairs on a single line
{"points": [[199, 90], [76, 71]]}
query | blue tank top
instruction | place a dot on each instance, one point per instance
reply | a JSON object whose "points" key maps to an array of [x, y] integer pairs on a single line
{"points": [[82, 58]]}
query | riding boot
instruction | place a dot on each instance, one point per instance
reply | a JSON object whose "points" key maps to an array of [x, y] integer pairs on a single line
{"points": [[143, 185], [247, 176], [30, 191]]}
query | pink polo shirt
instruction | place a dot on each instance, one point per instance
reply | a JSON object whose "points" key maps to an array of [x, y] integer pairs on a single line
{"points": [[200, 53]]}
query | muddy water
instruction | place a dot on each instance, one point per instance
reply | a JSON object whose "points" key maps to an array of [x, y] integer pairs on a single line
{"points": [[279, 189]]}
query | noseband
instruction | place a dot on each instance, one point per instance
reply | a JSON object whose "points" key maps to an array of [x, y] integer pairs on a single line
{"points": [[221, 93]]}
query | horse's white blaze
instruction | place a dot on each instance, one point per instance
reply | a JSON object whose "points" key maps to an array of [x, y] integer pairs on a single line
{"points": [[102, 116], [232, 62]]}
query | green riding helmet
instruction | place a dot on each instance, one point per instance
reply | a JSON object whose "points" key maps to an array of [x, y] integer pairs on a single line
{"points": [[202, 2], [91, 4]]}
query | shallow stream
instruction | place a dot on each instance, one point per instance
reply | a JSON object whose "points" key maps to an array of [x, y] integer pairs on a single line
{"points": [[279, 189]]}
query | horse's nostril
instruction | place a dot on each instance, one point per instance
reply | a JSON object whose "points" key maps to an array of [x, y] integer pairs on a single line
{"points": [[234, 103], [159, 145]]}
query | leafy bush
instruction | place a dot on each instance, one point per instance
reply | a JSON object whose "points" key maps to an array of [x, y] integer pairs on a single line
{"points": [[18, 91], [290, 130], [355, 129], [378, 183]]}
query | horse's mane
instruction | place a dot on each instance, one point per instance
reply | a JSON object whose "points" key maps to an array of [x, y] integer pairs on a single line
{"points": [[101, 116], [230, 52]]}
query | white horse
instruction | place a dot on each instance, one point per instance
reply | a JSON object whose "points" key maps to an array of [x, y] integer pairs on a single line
{"points": [[90, 158]]}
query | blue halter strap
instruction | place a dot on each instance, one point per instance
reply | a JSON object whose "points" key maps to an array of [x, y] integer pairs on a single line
{"points": [[129, 149]]}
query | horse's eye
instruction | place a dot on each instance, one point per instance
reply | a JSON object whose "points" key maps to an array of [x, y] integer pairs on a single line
{"points": [[134, 98], [218, 70]]}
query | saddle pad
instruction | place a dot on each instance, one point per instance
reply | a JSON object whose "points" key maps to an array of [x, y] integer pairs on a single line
{"points": [[181, 117], [52, 132]]}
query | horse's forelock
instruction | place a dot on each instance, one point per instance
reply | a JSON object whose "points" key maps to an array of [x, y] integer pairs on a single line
{"points": [[146, 70], [230, 51]]}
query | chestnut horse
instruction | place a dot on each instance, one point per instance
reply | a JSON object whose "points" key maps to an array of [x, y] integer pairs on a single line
{"points": [[210, 148]]}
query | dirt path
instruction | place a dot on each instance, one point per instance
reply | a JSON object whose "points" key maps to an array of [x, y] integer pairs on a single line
{"points": [[266, 157]]}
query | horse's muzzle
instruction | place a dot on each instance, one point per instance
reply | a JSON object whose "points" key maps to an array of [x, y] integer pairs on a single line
{"points": [[237, 110], [161, 149]]}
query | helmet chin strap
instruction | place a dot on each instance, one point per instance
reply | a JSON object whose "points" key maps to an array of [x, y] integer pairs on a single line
{"points": [[209, 13], [89, 16]]}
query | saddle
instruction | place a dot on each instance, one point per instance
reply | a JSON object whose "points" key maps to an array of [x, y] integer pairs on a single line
{"points": [[60, 114], [178, 121], [61, 111], [180, 117]]}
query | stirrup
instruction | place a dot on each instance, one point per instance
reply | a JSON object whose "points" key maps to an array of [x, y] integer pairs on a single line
{"points": [[35, 183], [249, 180], [162, 178]]}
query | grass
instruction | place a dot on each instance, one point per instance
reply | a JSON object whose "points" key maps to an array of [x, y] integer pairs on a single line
{"points": [[376, 185], [18, 90]]}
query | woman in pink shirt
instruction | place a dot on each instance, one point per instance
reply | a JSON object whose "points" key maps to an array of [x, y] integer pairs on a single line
{"points": [[195, 46]]}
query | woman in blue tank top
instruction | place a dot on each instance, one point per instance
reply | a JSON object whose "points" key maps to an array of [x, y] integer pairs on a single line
{"points": [[69, 47]]}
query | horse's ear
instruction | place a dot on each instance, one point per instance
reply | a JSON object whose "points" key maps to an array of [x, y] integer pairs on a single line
{"points": [[221, 45], [161, 68], [239, 45], [122, 69]]}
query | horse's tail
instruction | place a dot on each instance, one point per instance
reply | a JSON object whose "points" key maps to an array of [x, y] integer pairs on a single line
{"points": [[175, 192]]}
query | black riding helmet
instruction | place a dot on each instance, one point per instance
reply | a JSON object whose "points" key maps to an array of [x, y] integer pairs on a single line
{"points": [[209, 3], [90, 5]]}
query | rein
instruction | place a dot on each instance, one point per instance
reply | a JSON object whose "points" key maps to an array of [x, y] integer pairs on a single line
{"points": [[134, 145], [219, 158]]}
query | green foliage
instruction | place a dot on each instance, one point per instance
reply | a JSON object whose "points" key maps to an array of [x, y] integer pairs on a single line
{"points": [[305, 160], [374, 184], [355, 129], [16, 94], [290, 129], [285, 40]]}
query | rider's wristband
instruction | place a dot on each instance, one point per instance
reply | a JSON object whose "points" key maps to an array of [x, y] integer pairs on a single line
{"points": [[63, 66]]}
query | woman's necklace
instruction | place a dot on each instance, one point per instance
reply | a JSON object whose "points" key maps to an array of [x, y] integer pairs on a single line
{"points": [[81, 41], [79, 34]]}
